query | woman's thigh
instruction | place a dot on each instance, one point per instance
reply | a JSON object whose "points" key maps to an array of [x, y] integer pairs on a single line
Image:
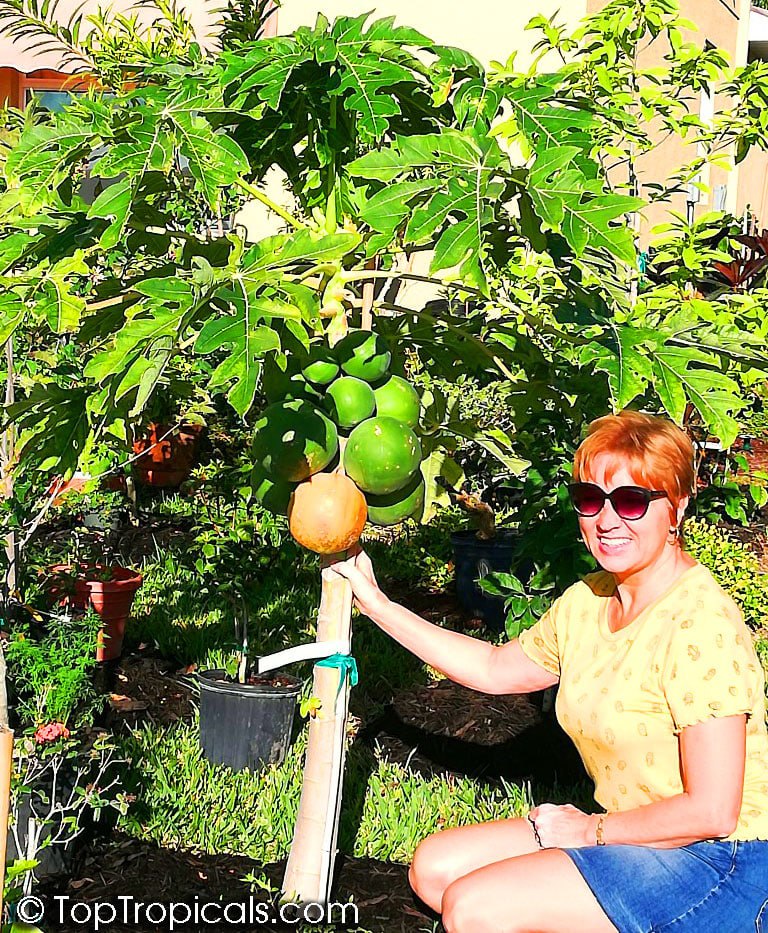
{"points": [[542, 892], [445, 856]]}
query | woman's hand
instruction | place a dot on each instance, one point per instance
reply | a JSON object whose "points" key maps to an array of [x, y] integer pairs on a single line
{"points": [[562, 827], [359, 571]]}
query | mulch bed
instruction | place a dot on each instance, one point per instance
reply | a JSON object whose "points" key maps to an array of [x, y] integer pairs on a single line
{"points": [[146, 873]]}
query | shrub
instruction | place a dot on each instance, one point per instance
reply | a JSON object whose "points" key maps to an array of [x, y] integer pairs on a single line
{"points": [[50, 669], [734, 567]]}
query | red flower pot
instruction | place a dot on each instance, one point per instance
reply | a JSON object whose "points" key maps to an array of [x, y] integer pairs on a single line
{"points": [[111, 599], [59, 487], [166, 459]]}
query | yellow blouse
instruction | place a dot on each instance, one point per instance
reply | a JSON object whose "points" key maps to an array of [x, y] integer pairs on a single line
{"points": [[624, 696]]}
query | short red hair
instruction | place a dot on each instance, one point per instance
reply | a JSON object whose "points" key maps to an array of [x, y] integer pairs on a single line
{"points": [[656, 451]]}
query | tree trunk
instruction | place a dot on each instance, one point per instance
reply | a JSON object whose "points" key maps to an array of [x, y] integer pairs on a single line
{"points": [[6, 764], [309, 872], [7, 452]]}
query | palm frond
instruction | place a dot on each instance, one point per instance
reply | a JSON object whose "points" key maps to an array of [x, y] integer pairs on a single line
{"points": [[34, 23]]}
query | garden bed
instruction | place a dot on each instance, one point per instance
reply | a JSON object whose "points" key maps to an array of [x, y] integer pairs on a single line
{"points": [[439, 730]]}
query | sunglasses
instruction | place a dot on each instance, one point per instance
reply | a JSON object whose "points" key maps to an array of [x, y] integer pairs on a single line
{"points": [[629, 502]]}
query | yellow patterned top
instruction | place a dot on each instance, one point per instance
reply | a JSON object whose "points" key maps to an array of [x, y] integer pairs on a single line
{"points": [[624, 696]]}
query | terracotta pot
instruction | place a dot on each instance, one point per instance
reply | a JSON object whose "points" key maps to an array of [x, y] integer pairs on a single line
{"points": [[166, 461], [111, 599], [114, 482]]}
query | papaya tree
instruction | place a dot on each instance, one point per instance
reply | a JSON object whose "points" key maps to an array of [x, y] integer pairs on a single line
{"points": [[119, 268]]}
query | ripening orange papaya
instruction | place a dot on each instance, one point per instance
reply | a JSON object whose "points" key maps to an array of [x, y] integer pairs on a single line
{"points": [[327, 513]]}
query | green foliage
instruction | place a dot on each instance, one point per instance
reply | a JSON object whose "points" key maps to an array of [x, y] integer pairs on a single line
{"points": [[734, 567], [50, 669], [65, 784], [384, 149], [739, 497], [183, 801]]}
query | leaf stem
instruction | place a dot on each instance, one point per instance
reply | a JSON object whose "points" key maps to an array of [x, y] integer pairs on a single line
{"points": [[358, 274], [260, 196], [499, 364]]}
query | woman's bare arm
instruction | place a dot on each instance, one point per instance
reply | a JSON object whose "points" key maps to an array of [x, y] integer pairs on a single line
{"points": [[466, 660], [712, 758]]}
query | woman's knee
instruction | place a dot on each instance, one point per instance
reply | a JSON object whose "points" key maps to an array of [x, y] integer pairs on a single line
{"points": [[432, 869], [461, 912]]}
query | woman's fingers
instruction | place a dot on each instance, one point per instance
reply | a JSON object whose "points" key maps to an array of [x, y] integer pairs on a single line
{"points": [[364, 565]]}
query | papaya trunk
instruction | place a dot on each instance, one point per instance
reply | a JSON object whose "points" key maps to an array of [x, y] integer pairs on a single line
{"points": [[7, 456], [6, 765], [309, 871]]}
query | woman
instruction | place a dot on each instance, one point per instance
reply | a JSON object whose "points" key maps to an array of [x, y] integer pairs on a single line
{"points": [[662, 693]]}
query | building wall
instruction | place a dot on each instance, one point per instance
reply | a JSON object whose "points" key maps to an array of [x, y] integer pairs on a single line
{"points": [[752, 189], [490, 29]]}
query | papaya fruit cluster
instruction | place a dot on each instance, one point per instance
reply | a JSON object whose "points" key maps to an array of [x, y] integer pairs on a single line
{"points": [[331, 393]]}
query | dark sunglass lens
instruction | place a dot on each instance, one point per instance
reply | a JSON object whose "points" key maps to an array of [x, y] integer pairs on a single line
{"points": [[587, 500], [629, 503]]}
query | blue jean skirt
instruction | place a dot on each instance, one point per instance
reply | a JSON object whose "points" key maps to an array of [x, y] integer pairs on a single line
{"points": [[707, 887]]}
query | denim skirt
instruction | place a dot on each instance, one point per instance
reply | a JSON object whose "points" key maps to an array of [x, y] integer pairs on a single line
{"points": [[706, 887]]}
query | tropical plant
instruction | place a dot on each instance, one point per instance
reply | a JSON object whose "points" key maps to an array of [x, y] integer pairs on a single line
{"points": [[61, 782], [389, 146], [50, 668], [137, 278]]}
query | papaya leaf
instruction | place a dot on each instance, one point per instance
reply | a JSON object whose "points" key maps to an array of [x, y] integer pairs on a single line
{"points": [[114, 200], [265, 69], [276, 252], [494, 441], [569, 203], [454, 205], [43, 156], [439, 470], [147, 324], [682, 374], [373, 63], [215, 160], [617, 354], [246, 341], [166, 289], [53, 426], [12, 313], [54, 298], [547, 122]]}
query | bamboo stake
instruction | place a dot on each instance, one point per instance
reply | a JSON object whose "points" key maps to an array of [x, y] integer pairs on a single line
{"points": [[309, 872]]}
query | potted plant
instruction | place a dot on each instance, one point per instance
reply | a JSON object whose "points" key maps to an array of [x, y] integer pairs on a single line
{"points": [[245, 718], [94, 579], [478, 551], [63, 769], [166, 453]]}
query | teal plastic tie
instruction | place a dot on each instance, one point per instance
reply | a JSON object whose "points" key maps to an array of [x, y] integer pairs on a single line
{"points": [[347, 668]]}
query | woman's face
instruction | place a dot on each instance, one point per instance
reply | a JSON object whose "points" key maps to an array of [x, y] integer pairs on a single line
{"points": [[623, 546]]}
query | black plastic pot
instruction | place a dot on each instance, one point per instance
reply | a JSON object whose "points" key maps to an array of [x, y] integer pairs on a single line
{"points": [[245, 725], [475, 559]]}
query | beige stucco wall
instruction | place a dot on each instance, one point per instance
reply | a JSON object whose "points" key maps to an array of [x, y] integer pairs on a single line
{"points": [[489, 29]]}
